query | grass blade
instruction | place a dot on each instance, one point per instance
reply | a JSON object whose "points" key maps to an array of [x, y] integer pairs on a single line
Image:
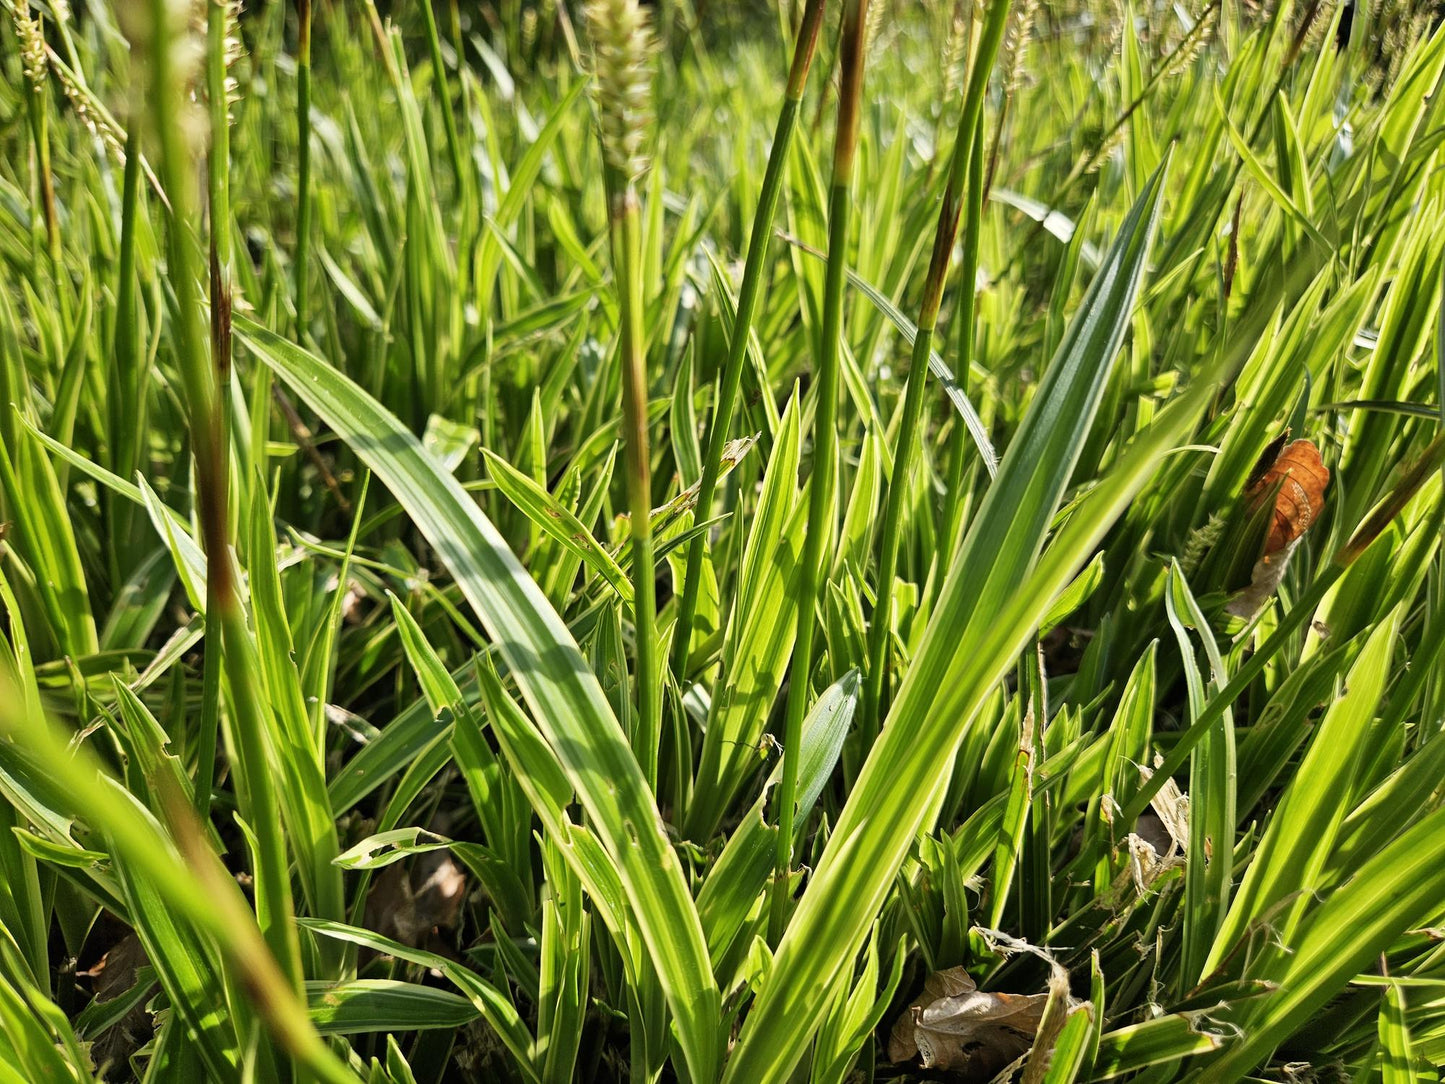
{"points": [[566, 700]]}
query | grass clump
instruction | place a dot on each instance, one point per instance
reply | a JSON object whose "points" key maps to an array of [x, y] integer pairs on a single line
{"points": [[663, 542]]}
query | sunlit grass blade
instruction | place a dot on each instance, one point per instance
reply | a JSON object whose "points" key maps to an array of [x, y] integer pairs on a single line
{"points": [[186, 875], [1395, 889], [567, 702], [982, 621]]}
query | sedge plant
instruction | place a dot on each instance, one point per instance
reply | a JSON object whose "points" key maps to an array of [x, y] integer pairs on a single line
{"points": [[621, 44], [821, 484], [378, 401], [720, 423], [955, 199]]}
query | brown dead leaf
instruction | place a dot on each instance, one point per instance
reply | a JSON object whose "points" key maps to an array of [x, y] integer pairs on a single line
{"points": [[956, 1026], [408, 904], [1294, 478], [114, 973]]}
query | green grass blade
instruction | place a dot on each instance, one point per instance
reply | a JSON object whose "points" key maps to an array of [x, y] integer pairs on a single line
{"points": [[567, 702], [957, 663], [363, 1005]]}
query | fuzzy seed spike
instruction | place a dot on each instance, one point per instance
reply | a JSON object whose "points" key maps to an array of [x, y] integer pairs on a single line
{"points": [[622, 48]]}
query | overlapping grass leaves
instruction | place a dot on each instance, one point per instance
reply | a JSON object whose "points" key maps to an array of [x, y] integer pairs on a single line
{"points": [[565, 698]]}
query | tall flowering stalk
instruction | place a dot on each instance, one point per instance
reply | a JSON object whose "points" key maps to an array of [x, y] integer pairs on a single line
{"points": [[622, 48], [162, 35], [949, 214], [220, 18], [717, 434], [222, 46], [32, 55], [852, 55], [303, 161]]}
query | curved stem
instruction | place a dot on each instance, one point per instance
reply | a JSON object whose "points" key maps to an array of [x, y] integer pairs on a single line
{"points": [[722, 417], [966, 158], [825, 445], [303, 162]]}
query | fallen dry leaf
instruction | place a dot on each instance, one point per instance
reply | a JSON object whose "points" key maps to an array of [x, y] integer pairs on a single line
{"points": [[114, 973], [1296, 478], [954, 1025], [1301, 478], [408, 904]]}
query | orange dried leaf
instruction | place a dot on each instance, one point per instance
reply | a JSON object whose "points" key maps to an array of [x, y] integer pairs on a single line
{"points": [[1297, 477]]}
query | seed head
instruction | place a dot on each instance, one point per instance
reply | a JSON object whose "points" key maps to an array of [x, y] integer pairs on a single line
{"points": [[955, 48], [622, 48], [178, 27], [872, 23], [1312, 33], [234, 49], [1109, 146], [1016, 43], [94, 120], [1200, 542], [32, 45], [1191, 45]]}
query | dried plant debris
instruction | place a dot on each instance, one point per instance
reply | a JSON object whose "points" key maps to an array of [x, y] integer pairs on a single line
{"points": [[956, 1026], [1294, 477], [411, 904], [122, 972], [1160, 839]]}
